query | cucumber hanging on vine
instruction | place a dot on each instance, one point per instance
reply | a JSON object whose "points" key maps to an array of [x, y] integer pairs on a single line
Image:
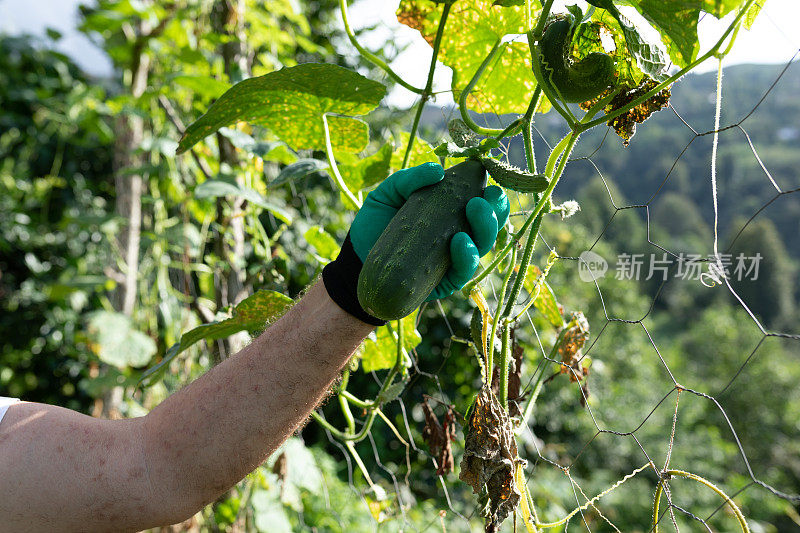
{"points": [[572, 81], [510, 177]]}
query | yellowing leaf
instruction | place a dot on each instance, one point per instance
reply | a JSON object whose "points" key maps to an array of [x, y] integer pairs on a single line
{"points": [[291, 103], [473, 28], [379, 350]]}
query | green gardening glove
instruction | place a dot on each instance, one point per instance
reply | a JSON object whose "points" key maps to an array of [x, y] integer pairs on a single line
{"points": [[485, 215]]}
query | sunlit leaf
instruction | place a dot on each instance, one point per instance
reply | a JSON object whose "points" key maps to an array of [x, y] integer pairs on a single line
{"points": [[326, 246], [473, 27], [298, 170], [720, 8], [207, 86], [218, 187], [421, 152], [677, 23], [367, 171], [546, 301], [291, 103], [379, 350], [648, 56], [115, 342], [250, 315]]}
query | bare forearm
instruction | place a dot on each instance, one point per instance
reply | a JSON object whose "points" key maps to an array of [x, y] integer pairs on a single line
{"points": [[207, 437]]}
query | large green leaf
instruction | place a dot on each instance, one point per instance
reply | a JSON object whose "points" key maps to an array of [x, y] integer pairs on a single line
{"points": [[677, 22], [113, 339], [250, 315], [473, 27], [291, 103]]}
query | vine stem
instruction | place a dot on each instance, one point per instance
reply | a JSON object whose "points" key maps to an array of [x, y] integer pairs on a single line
{"points": [[538, 285], [527, 134], [369, 55], [694, 477], [590, 503], [540, 380], [495, 322], [570, 141], [462, 99], [426, 93], [337, 176], [714, 51]]}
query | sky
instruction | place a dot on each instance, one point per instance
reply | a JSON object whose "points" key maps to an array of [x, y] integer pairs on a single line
{"points": [[771, 40]]}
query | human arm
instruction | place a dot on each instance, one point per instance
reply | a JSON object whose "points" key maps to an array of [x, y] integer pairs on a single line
{"points": [[63, 471]]}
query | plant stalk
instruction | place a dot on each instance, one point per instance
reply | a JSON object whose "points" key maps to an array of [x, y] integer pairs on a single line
{"points": [[426, 93]]}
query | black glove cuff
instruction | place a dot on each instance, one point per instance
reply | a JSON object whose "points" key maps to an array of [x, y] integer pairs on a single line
{"points": [[341, 281]]}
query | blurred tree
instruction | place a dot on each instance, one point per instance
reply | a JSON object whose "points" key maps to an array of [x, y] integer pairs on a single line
{"points": [[769, 291]]}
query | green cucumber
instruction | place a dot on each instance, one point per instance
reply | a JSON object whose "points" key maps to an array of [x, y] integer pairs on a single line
{"points": [[573, 81], [412, 254], [510, 177]]}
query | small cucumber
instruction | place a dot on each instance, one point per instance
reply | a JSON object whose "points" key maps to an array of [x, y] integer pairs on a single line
{"points": [[516, 179], [412, 254], [573, 81]]}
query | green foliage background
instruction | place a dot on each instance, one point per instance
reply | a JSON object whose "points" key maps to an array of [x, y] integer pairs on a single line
{"points": [[61, 328]]}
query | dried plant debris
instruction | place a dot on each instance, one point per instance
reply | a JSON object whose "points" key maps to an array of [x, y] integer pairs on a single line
{"points": [[625, 124], [574, 338], [439, 437], [490, 458], [515, 377]]}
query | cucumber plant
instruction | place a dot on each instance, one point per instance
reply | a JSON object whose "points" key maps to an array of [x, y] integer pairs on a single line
{"points": [[513, 57]]}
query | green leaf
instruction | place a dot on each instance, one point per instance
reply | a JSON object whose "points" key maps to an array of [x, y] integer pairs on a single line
{"points": [[752, 13], [379, 350], [421, 152], [649, 57], [247, 143], [207, 86], [472, 29], [546, 302], [250, 315], [113, 339], [291, 103], [298, 170], [216, 188], [361, 173], [326, 246], [269, 513], [392, 392], [677, 23], [302, 473], [720, 8]]}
